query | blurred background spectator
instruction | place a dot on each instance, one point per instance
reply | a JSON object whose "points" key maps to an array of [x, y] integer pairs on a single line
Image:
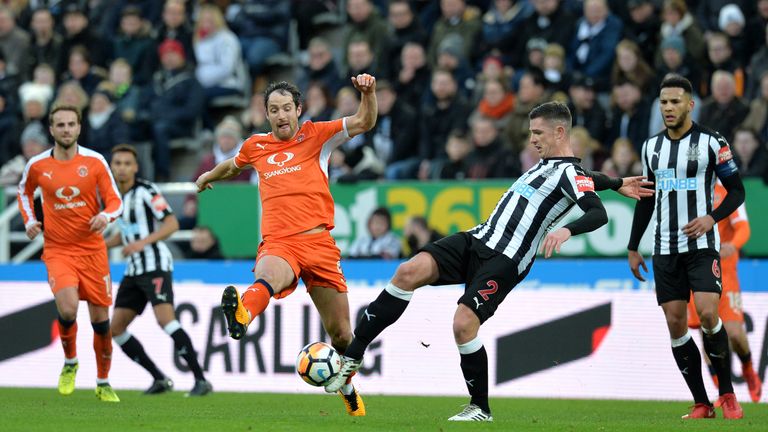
{"points": [[379, 241], [203, 245], [418, 234]]}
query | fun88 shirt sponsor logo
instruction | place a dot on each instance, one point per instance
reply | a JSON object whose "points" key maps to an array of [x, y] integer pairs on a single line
{"points": [[523, 189], [666, 181]]}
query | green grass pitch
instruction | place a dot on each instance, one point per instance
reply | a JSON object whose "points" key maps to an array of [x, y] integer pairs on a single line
{"points": [[45, 410]]}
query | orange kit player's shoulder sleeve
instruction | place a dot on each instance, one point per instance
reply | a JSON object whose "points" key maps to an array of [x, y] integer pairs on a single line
{"points": [[244, 156], [26, 192], [327, 129], [110, 194]]}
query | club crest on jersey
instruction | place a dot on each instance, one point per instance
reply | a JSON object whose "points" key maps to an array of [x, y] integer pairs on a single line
{"points": [[82, 170], [693, 152], [280, 159], [300, 138], [584, 184], [549, 172]]}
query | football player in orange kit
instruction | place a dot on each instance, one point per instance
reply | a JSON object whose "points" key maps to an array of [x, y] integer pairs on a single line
{"points": [[734, 233], [297, 214], [74, 181]]}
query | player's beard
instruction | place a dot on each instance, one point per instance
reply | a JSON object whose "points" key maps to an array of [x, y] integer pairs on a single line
{"points": [[66, 145], [676, 126]]}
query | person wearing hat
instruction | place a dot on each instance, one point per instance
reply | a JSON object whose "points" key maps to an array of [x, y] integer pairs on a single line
{"points": [[176, 104], [34, 140], [674, 58]]}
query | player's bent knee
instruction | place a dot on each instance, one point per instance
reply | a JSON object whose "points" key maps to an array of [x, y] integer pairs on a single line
{"points": [[408, 276], [708, 319]]}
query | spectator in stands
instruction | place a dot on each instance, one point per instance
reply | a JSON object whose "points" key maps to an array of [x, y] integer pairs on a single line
{"points": [[534, 59], [723, 111], [263, 27], [630, 66], [204, 245], [318, 104], [624, 161], [501, 27], [677, 21], [42, 84], [531, 93], [254, 117], [489, 158], [586, 148], [321, 67], [220, 69], [418, 234], [750, 152], [80, 69], [732, 23], [448, 111], [175, 105], [554, 67], [643, 27], [414, 77], [45, 45], [592, 51], [360, 59], [379, 242], [758, 66], [550, 21], [496, 104], [77, 32], [453, 166], [585, 110], [631, 114], [709, 12], [9, 130], [395, 137], [450, 57], [15, 44], [174, 25], [34, 140], [127, 99], [675, 60], [403, 28], [755, 30], [104, 128], [134, 44], [9, 81], [353, 160], [757, 119], [365, 23], [459, 19], [228, 138], [312, 16], [72, 93], [721, 58]]}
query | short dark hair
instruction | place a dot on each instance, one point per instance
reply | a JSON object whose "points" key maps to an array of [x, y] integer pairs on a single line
{"points": [[64, 107], [677, 81], [749, 130], [126, 148], [554, 112], [383, 212], [283, 87]]}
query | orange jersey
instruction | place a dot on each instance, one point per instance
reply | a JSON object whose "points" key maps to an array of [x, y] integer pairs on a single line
{"points": [[734, 229], [72, 192], [293, 176]]}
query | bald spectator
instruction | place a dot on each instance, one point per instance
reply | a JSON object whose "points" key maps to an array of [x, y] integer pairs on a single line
{"points": [[592, 51], [723, 111], [14, 43], [456, 18]]}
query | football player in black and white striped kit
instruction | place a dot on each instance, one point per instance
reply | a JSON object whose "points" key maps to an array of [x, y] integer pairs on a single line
{"points": [[146, 221], [495, 256], [685, 160]]}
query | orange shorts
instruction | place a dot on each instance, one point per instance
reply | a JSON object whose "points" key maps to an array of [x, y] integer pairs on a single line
{"points": [[313, 257], [729, 308], [88, 273]]}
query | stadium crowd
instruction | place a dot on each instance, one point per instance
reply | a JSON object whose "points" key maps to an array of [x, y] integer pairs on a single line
{"points": [[456, 78]]}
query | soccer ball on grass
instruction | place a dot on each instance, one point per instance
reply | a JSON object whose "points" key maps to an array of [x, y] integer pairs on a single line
{"points": [[317, 363]]}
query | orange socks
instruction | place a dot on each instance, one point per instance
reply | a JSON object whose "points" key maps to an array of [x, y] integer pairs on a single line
{"points": [[256, 297], [68, 335], [102, 347]]}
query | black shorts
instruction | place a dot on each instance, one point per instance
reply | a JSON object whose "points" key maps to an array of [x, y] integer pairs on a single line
{"points": [[489, 276], [677, 275], [135, 291]]}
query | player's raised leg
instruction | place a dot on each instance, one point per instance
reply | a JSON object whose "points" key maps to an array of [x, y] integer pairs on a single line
{"points": [[66, 300], [333, 307], [272, 274], [384, 311]]}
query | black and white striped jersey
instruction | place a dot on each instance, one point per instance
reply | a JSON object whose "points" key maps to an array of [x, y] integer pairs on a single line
{"points": [[531, 206], [144, 209], [685, 172]]}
